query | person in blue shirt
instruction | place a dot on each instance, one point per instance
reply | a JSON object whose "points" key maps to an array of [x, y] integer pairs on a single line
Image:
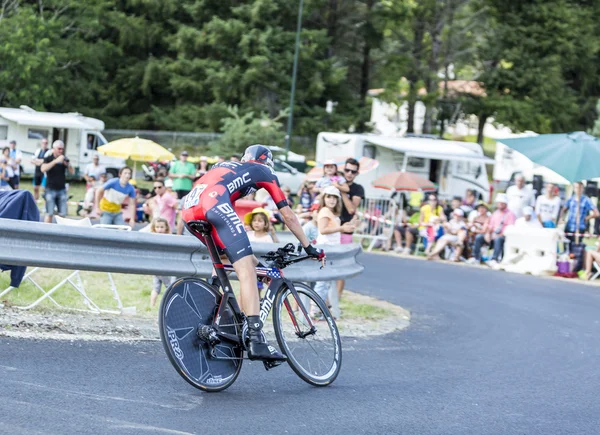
{"points": [[587, 211]]}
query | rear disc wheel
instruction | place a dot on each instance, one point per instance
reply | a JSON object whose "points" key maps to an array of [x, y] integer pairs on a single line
{"points": [[189, 304]]}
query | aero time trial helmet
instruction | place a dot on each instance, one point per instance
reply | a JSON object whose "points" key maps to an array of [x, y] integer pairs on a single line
{"points": [[259, 154]]}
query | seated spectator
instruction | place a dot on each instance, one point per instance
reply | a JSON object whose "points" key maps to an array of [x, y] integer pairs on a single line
{"points": [[455, 233], [432, 208], [478, 224], [399, 219], [590, 257], [405, 221], [528, 220], [547, 207], [331, 178], [470, 199], [455, 203], [493, 234], [434, 231], [261, 229], [5, 174]]}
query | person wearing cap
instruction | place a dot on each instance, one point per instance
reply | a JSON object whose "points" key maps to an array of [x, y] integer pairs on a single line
{"points": [[493, 234], [528, 220], [202, 167], [330, 229], [183, 174], [331, 178], [455, 233], [261, 230]]}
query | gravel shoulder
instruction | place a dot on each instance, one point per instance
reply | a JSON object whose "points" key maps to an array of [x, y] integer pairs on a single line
{"points": [[69, 325]]}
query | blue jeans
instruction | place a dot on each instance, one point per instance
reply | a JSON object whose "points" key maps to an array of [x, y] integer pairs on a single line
{"points": [[498, 244], [108, 218], [58, 199]]}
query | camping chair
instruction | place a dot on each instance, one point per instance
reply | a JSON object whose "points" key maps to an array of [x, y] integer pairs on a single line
{"points": [[74, 279], [596, 271]]}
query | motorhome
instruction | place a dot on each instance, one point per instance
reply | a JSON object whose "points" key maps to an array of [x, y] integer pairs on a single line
{"points": [[81, 135], [452, 166]]}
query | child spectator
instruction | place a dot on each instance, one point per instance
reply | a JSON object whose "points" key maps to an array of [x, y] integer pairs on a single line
{"points": [[434, 231], [328, 222], [455, 235], [111, 196], [306, 197], [331, 178], [261, 229], [310, 228], [160, 226]]}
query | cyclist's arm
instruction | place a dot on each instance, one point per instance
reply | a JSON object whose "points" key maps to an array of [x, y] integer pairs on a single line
{"points": [[291, 221]]}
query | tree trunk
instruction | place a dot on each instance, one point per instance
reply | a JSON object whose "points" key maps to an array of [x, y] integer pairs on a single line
{"points": [[365, 70], [482, 120], [412, 100], [332, 18], [436, 26]]}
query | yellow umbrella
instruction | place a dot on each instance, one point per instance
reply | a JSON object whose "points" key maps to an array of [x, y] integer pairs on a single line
{"points": [[136, 149]]}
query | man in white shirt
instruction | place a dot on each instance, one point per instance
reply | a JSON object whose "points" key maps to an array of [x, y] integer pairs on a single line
{"points": [[519, 195], [94, 169], [528, 220], [547, 207]]}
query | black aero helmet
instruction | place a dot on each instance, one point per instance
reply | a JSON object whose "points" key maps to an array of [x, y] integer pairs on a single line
{"points": [[258, 154]]}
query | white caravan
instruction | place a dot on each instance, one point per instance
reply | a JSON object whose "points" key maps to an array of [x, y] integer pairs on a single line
{"points": [[80, 134], [452, 166]]}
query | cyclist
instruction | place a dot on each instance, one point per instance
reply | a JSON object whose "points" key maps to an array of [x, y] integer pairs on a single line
{"points": [[211, 200]]}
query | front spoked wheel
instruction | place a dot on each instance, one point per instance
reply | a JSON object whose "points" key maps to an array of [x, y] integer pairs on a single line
{"points": [[187, 306], [315, 356]]}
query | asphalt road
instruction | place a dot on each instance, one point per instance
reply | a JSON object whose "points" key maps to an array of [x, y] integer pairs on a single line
{"points": [[487, 353]]}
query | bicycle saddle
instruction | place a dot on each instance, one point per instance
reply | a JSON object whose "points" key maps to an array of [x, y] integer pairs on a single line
{"points": [[200, 226]]}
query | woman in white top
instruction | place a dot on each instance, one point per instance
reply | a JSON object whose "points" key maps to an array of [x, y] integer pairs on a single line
{"points": [[330, 229]]}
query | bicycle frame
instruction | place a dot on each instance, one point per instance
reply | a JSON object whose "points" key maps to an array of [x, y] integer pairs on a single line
{"points": [[278, 282]]}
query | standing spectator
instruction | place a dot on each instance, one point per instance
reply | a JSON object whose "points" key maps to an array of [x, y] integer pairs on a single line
{"points": [[111, 196], [261, 229], [55, 167], [39, 178], [16, 157], [350, 202], [519, 195], [547, 207], [330, 229], [162, 204], [95, 169], [202, 167], [4, 174], [160, 226], [586, 211], [8, 173], [493, 234], [183, 173], [331, 178], [306, 197], [432, 208], [528, 220]]}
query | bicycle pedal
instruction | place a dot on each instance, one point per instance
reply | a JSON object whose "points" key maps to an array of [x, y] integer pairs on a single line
{"points": [[272, 364]]}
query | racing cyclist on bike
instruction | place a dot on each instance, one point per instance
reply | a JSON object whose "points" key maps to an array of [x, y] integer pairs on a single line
{"points": [[211, 200]]}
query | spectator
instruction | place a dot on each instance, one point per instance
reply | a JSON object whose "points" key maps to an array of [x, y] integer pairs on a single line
{"points": [[110, 198], [159, 226], [288, 195], [202, 167], [39, 178], [350, 200], [528, 220], [434, 231], [261, 229], [432, 208], [547, 207], [586, 211], [55, 167], [234, 158], [89, 198], [493, 234], [310, 228], [455, 234], [470, 199], [306, 197], [220, 159], [331, 178], [479, 223], [398, 218], [162, 204], [94, 168], [590, 258], [455, 203], [183, 173], [16, 158], [519, 195], [402, 225], [330, 229], [4, 174], [8, 173]]}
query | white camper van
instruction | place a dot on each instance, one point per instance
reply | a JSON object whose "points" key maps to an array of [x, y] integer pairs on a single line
{"points": [[80, 134], [453, 166]]}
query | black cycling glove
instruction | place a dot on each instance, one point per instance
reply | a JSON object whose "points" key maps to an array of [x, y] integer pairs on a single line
{"points": [[313, 252]]}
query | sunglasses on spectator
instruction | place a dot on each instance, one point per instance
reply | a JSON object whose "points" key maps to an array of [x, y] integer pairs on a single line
{"points": [[352, 171], [158, 187]]}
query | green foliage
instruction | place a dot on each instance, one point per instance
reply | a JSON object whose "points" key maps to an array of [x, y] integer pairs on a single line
{"points": [[240, 131]]}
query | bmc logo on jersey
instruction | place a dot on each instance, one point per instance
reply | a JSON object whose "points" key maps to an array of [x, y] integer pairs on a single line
{"points": [[228, 211], [238, 182]]}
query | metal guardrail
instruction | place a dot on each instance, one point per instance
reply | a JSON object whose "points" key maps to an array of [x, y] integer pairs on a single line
{"points": [[96, 249]]}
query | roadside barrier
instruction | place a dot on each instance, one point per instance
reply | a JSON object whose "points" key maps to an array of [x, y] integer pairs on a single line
{"points": [[530, 250], [375, 220], [96, 249]]}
